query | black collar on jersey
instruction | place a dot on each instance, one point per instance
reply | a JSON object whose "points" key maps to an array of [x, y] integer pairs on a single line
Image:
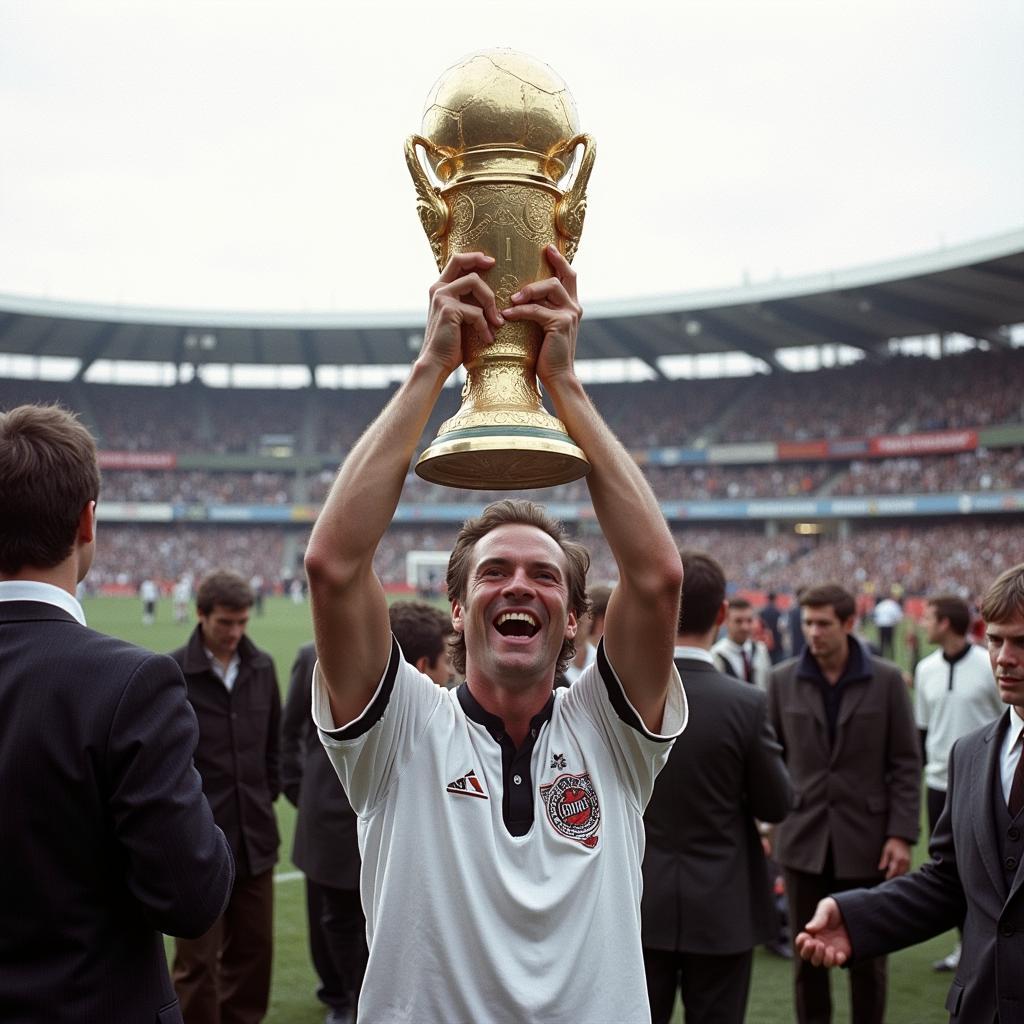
{"points": [[952, 659], [517, 779]]}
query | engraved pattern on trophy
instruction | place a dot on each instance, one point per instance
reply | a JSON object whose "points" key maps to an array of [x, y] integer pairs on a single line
{"points": [[500, 141], [526, 210]]}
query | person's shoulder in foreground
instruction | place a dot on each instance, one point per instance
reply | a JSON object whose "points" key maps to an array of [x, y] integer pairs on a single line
{"points": [[107, 840]]}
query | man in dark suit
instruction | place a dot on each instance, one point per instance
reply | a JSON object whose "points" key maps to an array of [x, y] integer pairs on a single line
{"points": [[707, 898], [224, 975], [105, 838], [326, 847], [846, 726], [975, 875]]}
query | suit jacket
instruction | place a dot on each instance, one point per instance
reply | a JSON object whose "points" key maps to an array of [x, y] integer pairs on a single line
{"points": [[105, 838], [237, 755], [326, 847], [859, 791], [706, 886], [963, 877]]}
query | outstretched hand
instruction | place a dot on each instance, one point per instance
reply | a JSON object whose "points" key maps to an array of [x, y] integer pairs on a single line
{"points": [[551, 303], [460, 300], [825, 941]]}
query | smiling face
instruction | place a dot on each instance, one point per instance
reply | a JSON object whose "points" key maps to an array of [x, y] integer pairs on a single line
{"points": [[1006, 651], [740, 625], [515, 613]]}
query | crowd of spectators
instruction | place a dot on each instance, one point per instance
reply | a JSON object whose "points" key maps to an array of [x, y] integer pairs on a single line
{"points": [[959, 557], [128, 554], [983, 470], [194, 485], [906, 394], [987, 469]]}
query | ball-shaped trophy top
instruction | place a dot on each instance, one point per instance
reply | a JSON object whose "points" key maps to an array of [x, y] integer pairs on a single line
{"points": [[499, 101]]}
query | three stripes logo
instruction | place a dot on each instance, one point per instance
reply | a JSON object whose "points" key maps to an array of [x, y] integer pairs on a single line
{"points": [[468, 785]]}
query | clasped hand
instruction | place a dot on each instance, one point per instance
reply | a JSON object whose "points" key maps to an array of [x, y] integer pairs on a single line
{"points": [[462, 302]]}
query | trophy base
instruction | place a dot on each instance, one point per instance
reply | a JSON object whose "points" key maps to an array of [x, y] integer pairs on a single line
{"points": [[502, 459]]}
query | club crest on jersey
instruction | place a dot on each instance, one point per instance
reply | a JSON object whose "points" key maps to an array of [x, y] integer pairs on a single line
{"points": [[573, 810]]}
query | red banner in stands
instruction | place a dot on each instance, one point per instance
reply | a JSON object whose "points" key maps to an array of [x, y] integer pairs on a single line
{"points": [[138, 460], [925, 444], [803, 449]]}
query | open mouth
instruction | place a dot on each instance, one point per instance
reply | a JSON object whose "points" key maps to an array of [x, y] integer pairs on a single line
{"points": [[517, 624]]}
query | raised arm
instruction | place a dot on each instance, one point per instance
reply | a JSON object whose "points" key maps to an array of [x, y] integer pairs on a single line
{"points": [[643, 610], [350, 614]]}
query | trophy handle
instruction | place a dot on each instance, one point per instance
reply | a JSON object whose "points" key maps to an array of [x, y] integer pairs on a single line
{"points": [[430, 204], [572, 206]]}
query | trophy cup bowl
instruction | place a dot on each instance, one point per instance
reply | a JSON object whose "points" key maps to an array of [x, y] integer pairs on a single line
{"points": [[500, 167]]}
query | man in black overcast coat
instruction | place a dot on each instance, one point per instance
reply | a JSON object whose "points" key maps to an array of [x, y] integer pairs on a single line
{"points": [[707, 897], [105, 837]]}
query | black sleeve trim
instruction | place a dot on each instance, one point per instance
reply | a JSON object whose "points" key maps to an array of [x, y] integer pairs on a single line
{"points": [[617, 697], [374, 711]]}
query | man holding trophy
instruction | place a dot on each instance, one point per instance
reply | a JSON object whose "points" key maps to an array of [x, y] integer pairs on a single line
{"points": [[500, 823]]}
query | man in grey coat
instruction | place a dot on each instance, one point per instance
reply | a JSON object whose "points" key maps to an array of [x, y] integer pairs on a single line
{"points": [[977, 849], [707, 898], [845, 723]]}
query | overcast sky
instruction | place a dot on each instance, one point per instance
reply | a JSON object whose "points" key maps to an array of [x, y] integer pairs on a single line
{"points": [[248, 155]]}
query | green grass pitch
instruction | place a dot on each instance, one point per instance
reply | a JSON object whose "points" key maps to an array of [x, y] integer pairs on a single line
{"points": [[916, 993]]}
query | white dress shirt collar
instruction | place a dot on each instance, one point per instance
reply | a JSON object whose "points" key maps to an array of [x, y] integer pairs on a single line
{"points": [[43, 593], [694, 654]]}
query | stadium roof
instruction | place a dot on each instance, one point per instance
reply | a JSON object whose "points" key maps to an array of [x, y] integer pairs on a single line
{"points": [[975, 289]]}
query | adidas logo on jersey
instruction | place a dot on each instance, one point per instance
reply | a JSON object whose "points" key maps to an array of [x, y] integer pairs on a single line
{"points": [[468, 785]]}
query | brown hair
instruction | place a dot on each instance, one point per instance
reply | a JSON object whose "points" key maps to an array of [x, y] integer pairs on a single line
{"points": [[702, 594], [1004, 600], [951, 607], [48, 474], [225, 588], [741, 604], [840, 599], [500, 513], [421, 630], [599, 595]]}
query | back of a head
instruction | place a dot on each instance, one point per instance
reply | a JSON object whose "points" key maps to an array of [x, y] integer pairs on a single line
{"points": [[48, 475], [1004, 600], [421, 629], [702, 594]]}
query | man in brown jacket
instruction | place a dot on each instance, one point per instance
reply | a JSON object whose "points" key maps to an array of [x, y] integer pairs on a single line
{"points": [[847, 729], [224, 975]]}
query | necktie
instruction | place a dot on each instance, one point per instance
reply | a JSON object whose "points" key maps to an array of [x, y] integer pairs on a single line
{"points": [[747, 674], [1016, 801]]}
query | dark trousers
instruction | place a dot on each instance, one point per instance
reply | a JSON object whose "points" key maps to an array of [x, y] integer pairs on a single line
{"points": [[813, 996], [714, 989], [936, 800], [223, 977], [337, 943], [886, 635]]}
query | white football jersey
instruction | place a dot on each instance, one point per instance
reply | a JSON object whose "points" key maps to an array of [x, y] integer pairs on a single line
{"points": [[500, 885]]}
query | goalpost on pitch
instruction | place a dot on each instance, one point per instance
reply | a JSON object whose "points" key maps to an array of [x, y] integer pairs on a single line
{"points": [[425, 572]]}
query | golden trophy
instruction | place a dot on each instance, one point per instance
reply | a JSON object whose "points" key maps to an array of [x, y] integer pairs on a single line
{"points": [[499, 137]]}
